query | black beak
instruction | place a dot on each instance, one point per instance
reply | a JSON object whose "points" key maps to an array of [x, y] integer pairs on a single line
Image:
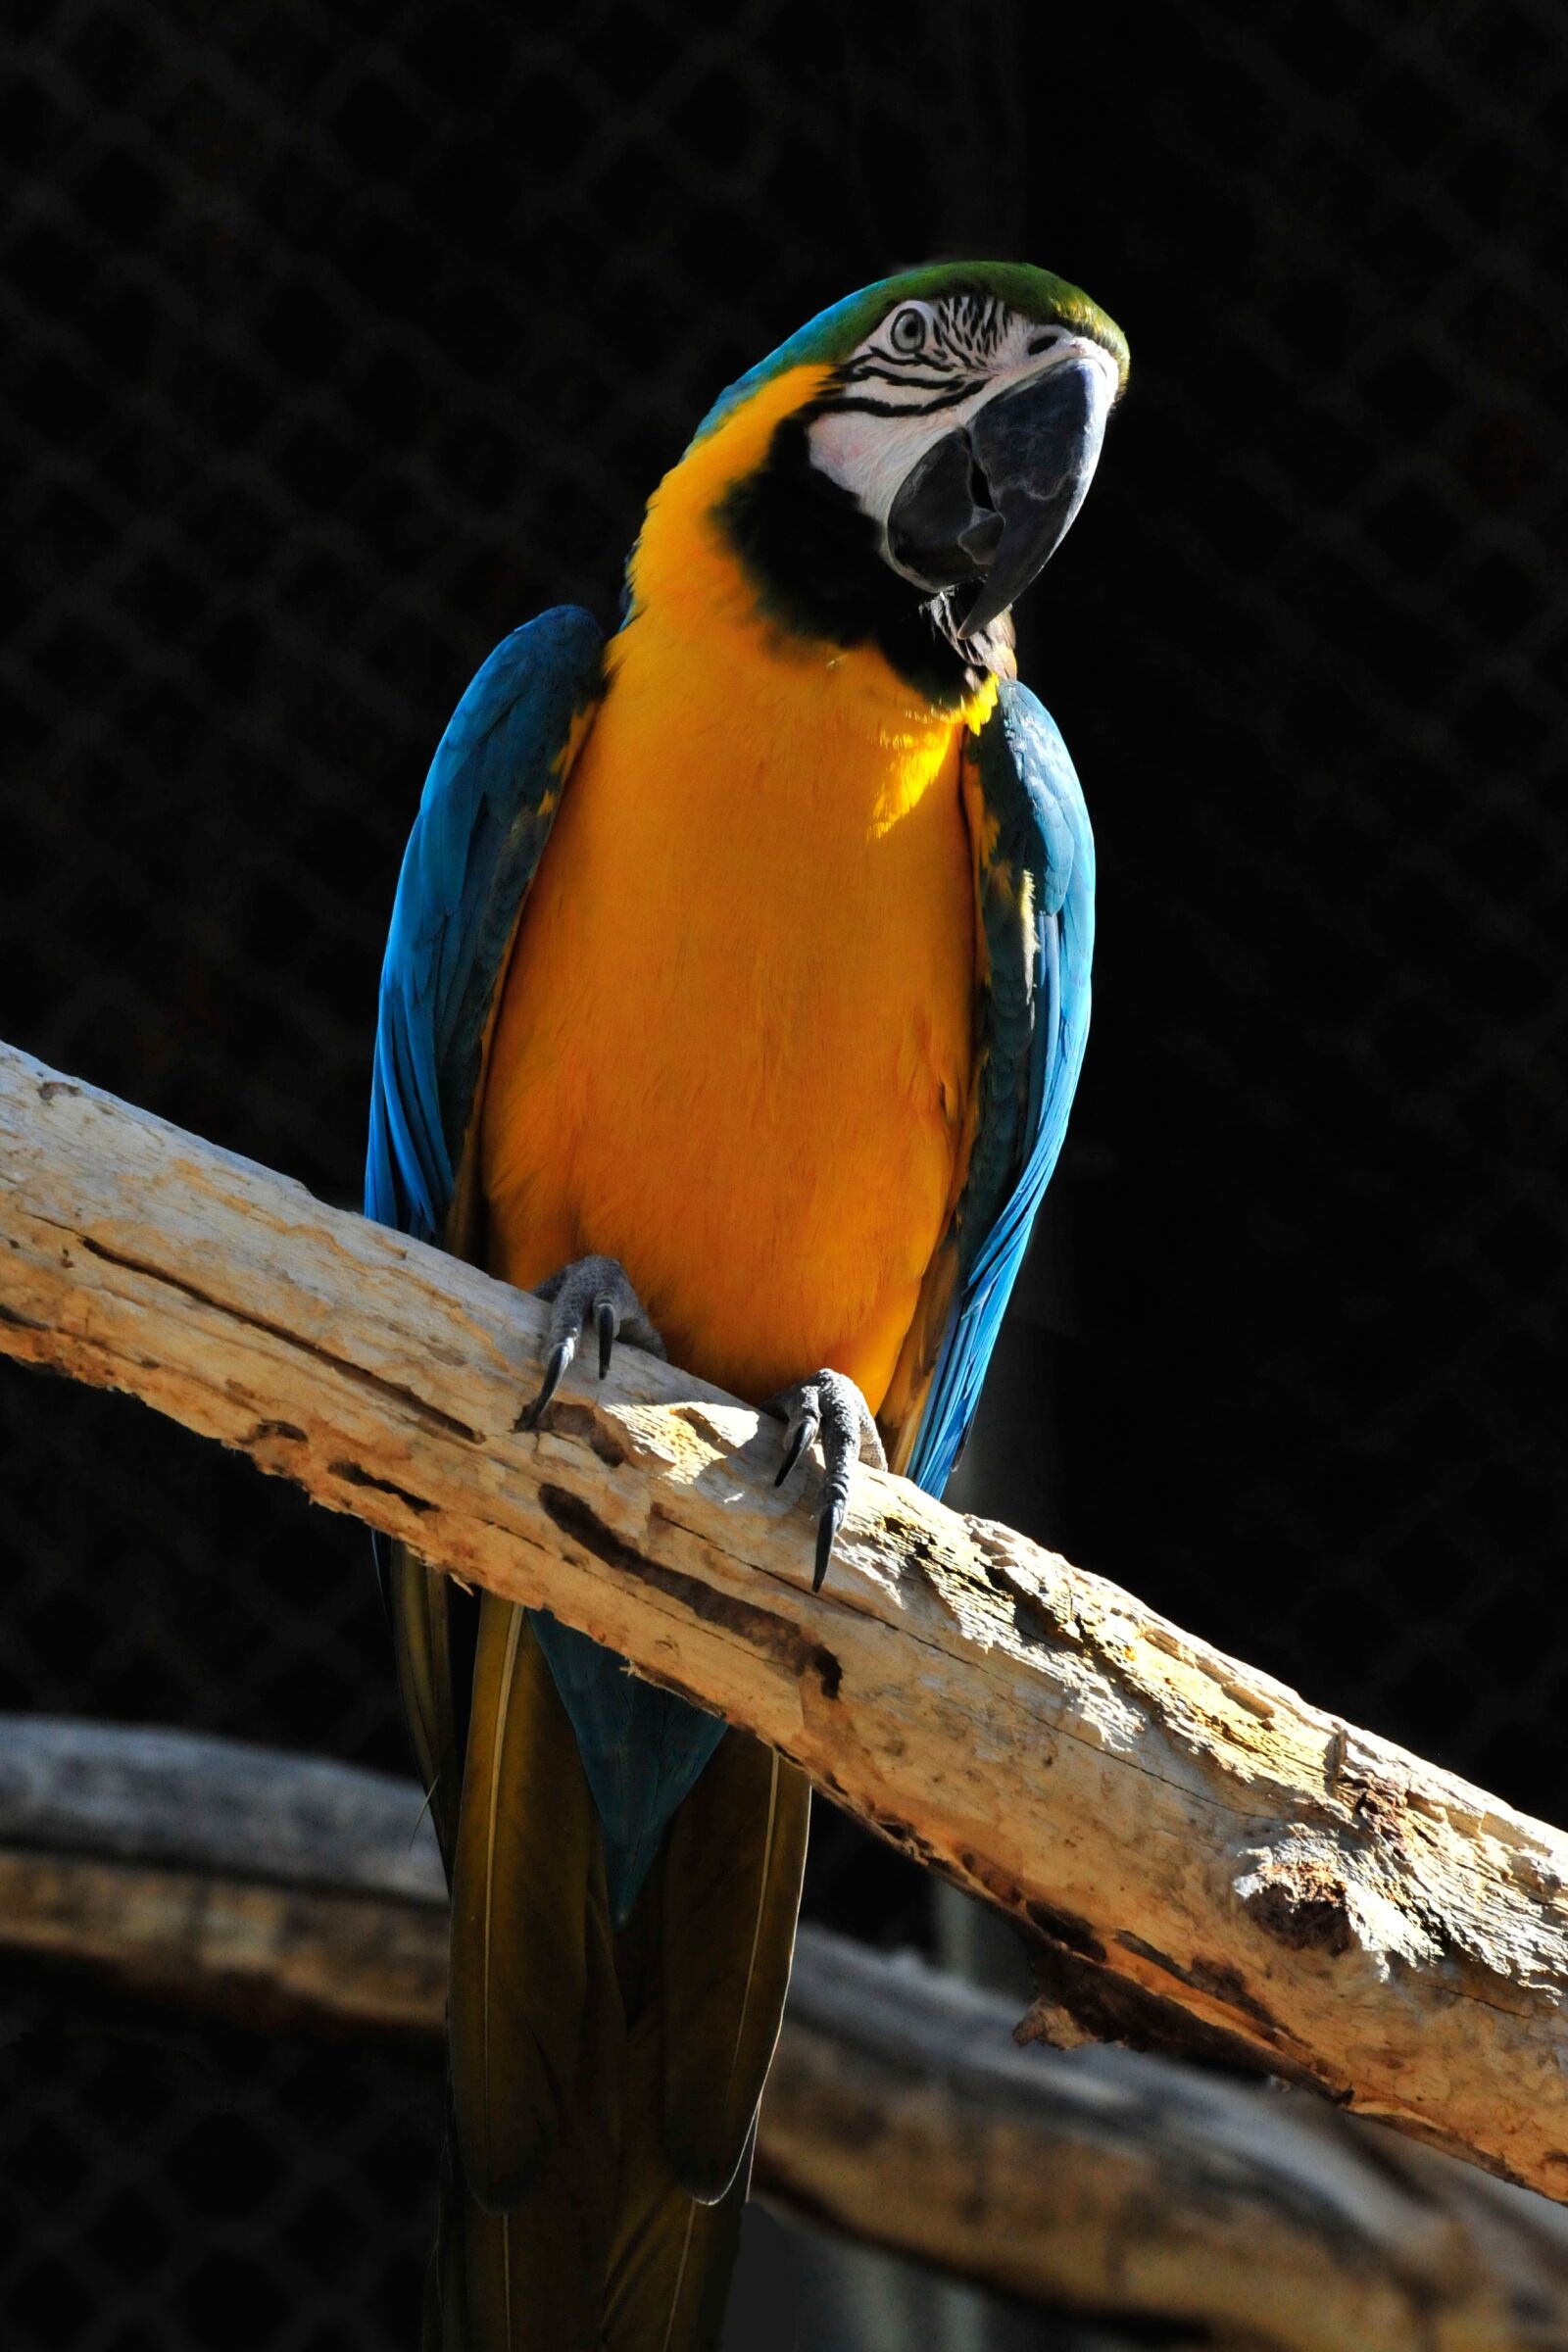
{"points": [[995, 500]]}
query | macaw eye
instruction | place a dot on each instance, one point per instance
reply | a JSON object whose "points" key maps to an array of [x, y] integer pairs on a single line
{"points": [[907, 327]]}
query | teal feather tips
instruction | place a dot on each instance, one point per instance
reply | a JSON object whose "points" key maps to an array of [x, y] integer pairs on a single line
{"points": [[834, 333]]}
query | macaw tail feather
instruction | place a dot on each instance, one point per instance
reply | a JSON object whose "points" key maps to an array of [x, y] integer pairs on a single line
{"points": [[605, 2079], [527, 1910], [730, 1890], [420, 1613], [524, 2281]]}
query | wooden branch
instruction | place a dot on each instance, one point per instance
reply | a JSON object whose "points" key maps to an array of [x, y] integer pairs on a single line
{"points": [[1137, 2188], [1204, 1858], [898, 2108], [279, 1889]]}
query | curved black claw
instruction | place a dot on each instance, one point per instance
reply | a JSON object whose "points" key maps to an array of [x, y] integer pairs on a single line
{"points": [[591, 1289], [800, 1432], [608, 1323], [556, 1362], [828, 1405]]}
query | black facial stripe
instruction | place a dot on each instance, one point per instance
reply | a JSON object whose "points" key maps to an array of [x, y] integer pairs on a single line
{"points": [[905, 408], [898, 368], [885, 376]]}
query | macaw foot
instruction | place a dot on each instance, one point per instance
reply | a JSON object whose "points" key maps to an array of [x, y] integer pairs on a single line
{"points": [[830, 1406], [591, 1289]]}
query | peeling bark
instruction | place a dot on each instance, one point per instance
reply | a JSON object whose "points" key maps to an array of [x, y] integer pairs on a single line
{"points": [[1201, 1855]]}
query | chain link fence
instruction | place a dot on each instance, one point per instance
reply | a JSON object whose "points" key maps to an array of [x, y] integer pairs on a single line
{"points": [[339, 340]]}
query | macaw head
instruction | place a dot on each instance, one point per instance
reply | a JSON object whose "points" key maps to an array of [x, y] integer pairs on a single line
{"points": [[902, 469]]}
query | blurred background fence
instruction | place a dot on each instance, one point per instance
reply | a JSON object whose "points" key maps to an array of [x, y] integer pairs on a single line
{"points": [[339, 339]]}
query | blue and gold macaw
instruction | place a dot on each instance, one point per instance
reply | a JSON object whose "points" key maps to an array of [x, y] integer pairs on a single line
{"points": [[734, 1001]]}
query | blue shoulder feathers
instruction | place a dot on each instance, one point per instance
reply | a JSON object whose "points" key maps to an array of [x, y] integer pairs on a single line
{"points": [[489, 802]]}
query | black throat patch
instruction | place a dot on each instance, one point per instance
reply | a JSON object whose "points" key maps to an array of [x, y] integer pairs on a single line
{"points": [[812, 555]]}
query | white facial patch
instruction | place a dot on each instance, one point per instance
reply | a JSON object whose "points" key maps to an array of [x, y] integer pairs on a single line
{"points": [[901, 398]]}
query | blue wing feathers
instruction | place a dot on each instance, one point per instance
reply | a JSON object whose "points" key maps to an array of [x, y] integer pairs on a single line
{"points": [[485, 815], [1037, 894]]}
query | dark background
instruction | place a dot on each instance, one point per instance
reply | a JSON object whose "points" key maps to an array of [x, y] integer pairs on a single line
{"points": [[337, 340]]}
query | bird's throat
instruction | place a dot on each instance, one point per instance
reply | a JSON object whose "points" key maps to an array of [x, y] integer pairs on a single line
{"points": [[746, 539]]}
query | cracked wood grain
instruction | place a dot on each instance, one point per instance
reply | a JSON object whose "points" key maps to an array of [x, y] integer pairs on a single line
{"points": [[1204, 1859]]}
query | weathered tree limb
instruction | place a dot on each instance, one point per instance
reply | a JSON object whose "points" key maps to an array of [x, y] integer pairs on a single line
{"points": [[898, 2108], [1202, 1853], [283, 1888], [1134, 2188]]}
